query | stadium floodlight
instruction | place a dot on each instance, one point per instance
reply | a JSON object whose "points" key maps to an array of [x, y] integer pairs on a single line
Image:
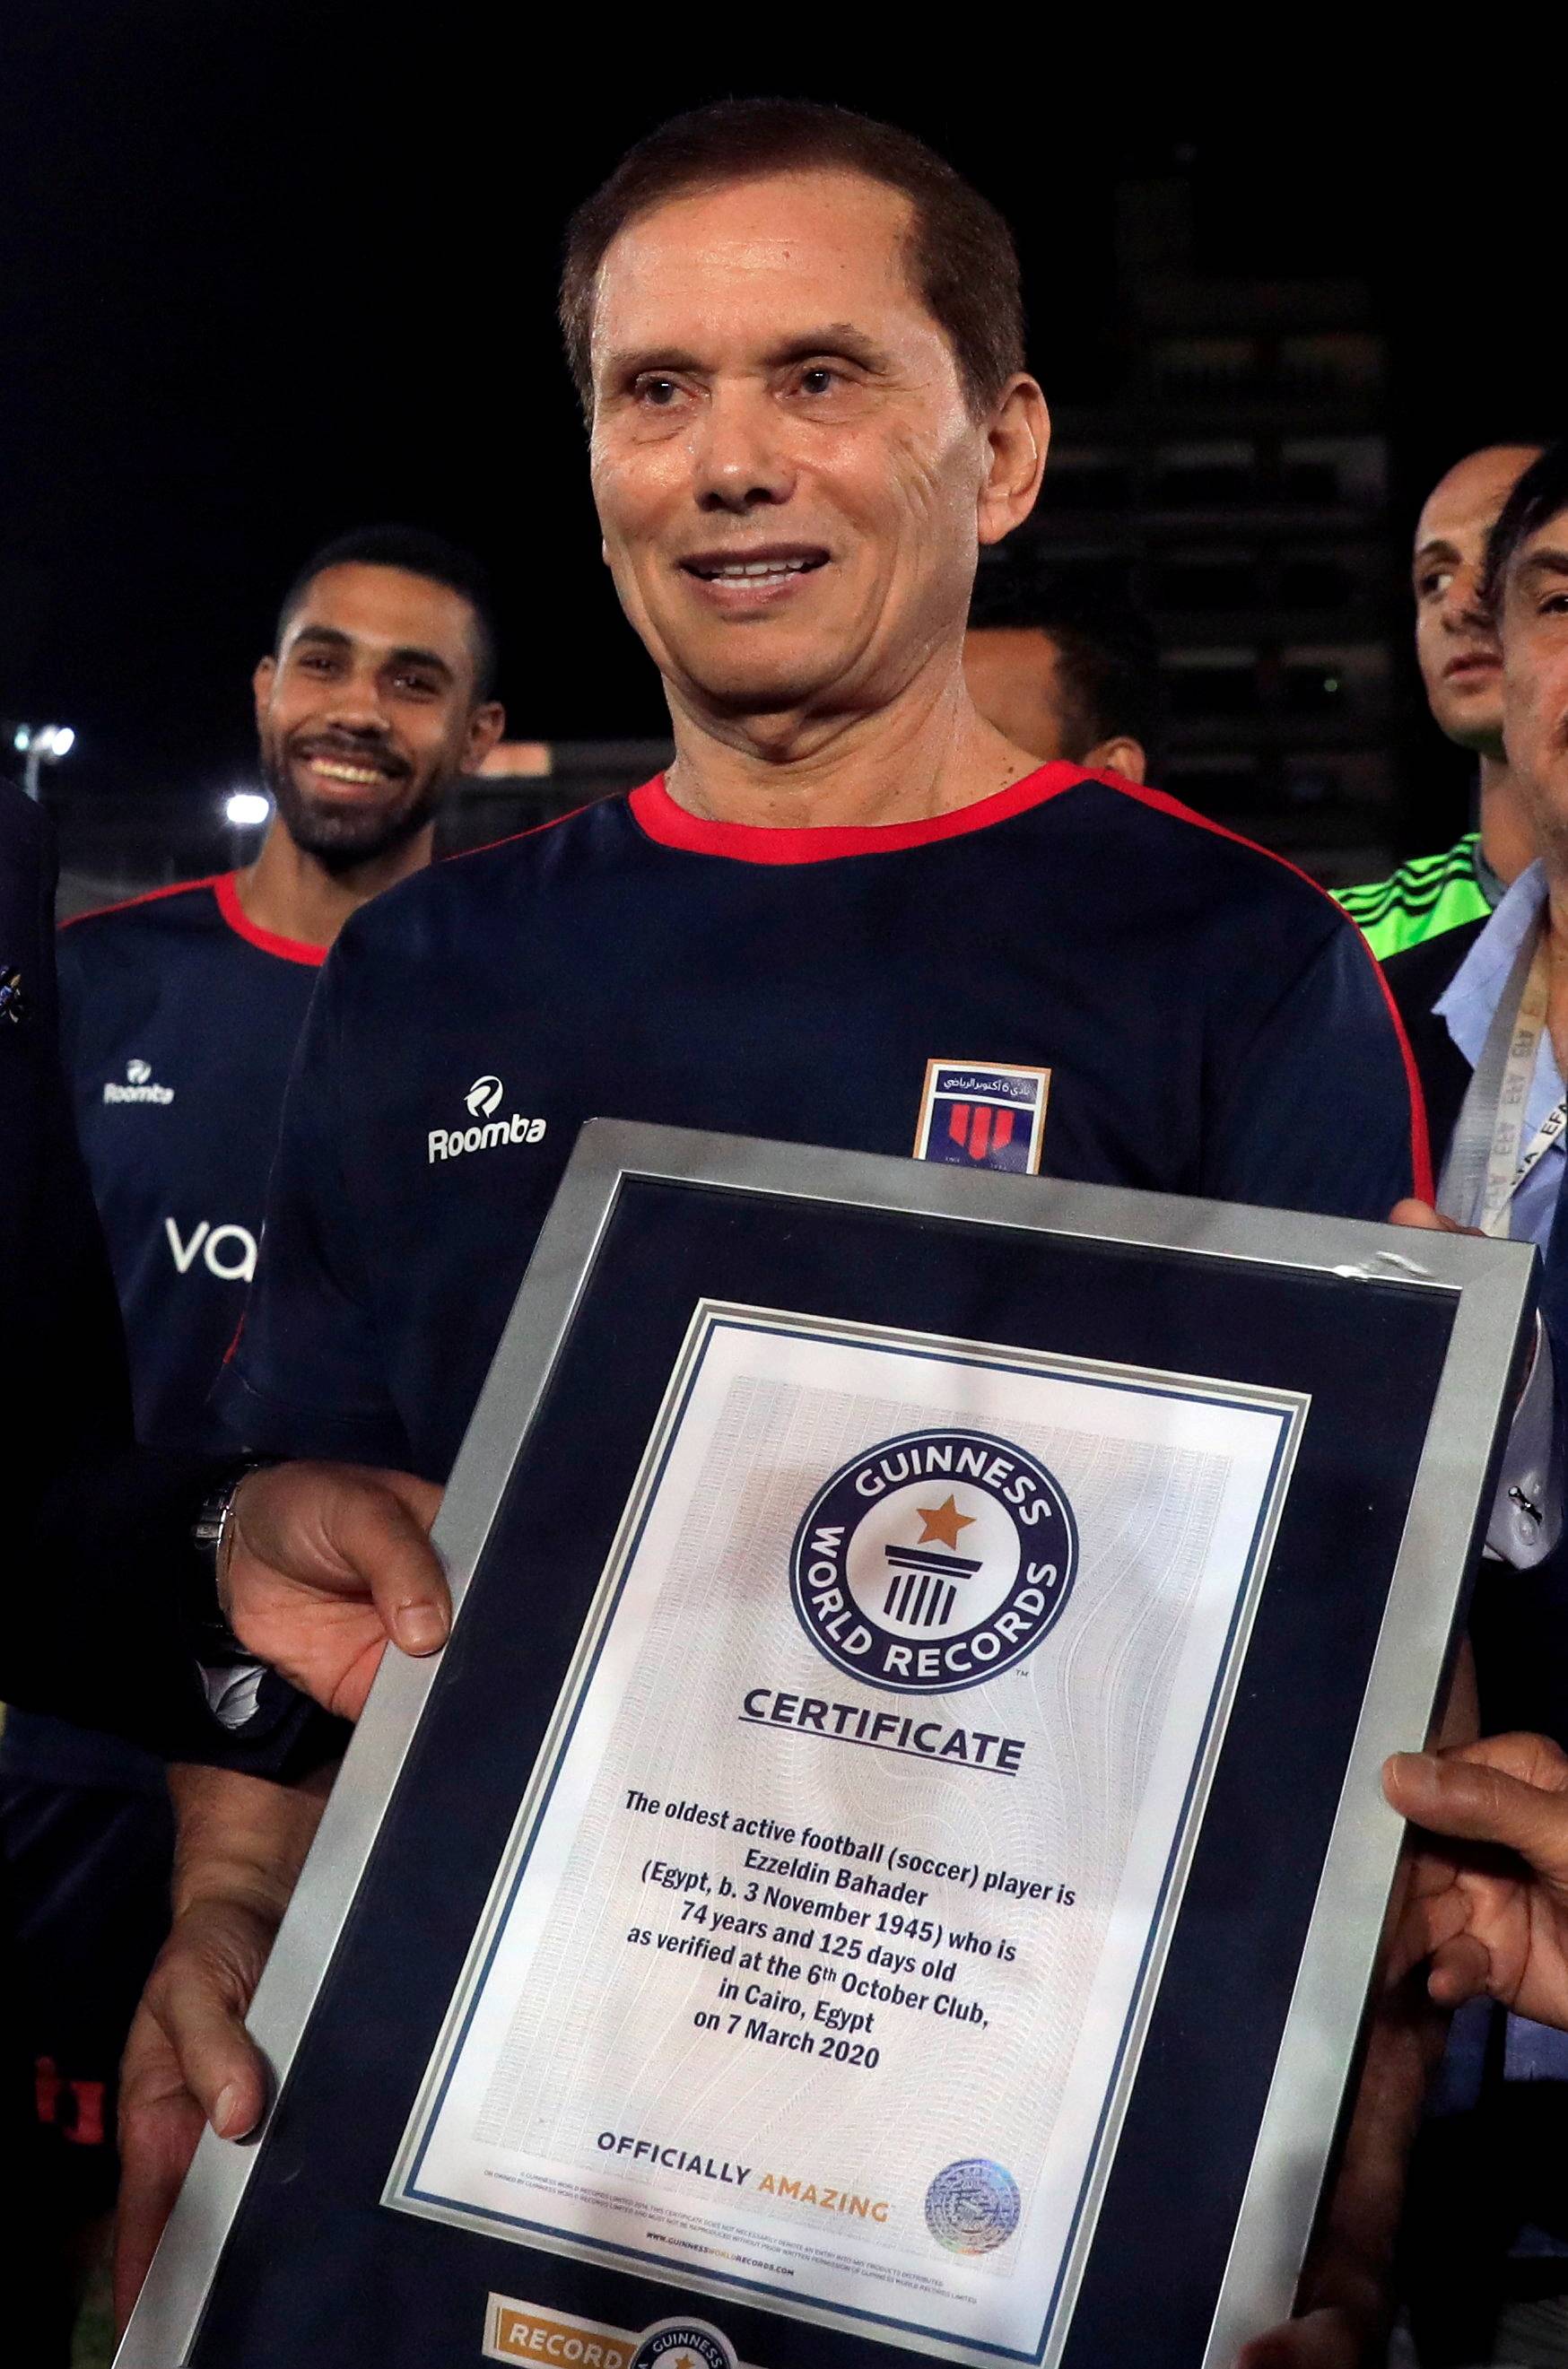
{"points": [[247, 809], [44, 744]]}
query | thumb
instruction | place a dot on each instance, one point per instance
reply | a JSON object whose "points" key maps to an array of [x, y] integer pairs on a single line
{"points": [[1473, 1802], [1322, 2339], [338, 1532], [380, 1526], [1423, 1216]]}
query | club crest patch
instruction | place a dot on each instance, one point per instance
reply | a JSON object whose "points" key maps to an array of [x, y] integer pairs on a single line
{"points": [[934, 1561], [983, 1115]]}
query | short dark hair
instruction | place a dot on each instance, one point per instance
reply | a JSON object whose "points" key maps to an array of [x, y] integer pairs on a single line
{"points": [[962, 256], [1109, 658], [1535, 501], [415, 552]]}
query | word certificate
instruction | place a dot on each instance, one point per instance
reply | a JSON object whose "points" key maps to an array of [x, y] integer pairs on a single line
{"points": [[817, 1967]]}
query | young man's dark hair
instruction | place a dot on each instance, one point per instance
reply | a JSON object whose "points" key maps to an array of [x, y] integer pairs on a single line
{"points": [[417, 552], [1107, 658], [962, 256], [1538, 498]]}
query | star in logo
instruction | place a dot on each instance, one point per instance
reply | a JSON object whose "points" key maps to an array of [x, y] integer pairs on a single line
{"points": [[943, 1522]]}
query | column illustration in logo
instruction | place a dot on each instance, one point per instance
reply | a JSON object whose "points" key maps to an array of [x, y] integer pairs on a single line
{"points": [[934, 1561]]}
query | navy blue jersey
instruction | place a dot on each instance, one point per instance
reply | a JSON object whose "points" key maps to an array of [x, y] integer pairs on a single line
{"points": [[178, 1020], [179, 1023], [1072, 975]]}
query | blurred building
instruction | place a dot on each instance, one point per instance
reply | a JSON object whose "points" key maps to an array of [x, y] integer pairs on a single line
{"points": [[1237, 488], [115, 846]]}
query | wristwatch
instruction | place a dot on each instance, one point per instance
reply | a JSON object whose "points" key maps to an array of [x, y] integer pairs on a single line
{"points": [[215, 1644]]}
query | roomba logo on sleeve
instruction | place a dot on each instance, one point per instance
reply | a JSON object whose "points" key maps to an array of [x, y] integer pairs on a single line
{"points": [[484, 1099], [934, 1561], [137, 1087]]}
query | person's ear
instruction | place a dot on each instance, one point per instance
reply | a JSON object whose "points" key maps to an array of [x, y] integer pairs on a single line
{"points": [[261, 684], [1121, 754], [1018, 438], [485, 726]]}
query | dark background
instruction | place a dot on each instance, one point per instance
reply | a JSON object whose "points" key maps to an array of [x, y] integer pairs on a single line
{"points": [[266, 272]]}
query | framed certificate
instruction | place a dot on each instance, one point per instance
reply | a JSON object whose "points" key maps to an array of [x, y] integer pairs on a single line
{"points": [[891, 1866]]}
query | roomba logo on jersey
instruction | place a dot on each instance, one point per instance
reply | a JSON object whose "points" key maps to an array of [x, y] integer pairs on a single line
{"points": [[484, 1098], [683, 2344], [137, 1087], [934, 1561]]}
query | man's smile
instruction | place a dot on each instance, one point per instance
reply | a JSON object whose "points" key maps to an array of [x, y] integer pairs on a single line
{"points": [[750, 566], [747, 581], [360, 771]]}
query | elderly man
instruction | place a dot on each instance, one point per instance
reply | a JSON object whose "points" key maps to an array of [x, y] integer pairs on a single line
{"points": [[797, 336]]}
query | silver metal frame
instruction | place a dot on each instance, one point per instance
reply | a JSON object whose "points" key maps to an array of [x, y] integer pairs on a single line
{"points": [[1490, 1281]]}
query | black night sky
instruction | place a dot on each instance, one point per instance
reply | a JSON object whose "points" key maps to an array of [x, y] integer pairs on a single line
{"points": [[266, 272]]}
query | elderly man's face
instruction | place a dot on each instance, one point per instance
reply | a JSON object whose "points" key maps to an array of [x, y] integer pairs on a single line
{"points": [[1534, 628], [791, 486]]}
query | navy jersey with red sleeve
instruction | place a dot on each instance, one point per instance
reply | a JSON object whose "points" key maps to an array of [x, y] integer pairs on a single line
{"points": [[179, 1023], [1073, 977], [178, 1020]]}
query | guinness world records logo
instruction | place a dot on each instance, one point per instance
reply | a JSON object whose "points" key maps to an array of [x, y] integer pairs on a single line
{"points": [[683, 2344], [934, 1561]]}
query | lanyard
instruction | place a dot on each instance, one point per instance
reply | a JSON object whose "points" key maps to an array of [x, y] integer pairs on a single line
{"points": [[1487, 1162]]}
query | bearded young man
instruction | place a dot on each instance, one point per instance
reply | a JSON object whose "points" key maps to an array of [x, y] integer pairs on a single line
{"points": [[799, 339], [179, 1014], [180, 1009]]}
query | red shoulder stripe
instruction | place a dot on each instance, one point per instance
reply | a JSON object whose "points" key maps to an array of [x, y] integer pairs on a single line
{"points": [[147, 897], [225, 888], [1420, 1144], [509, 838]]}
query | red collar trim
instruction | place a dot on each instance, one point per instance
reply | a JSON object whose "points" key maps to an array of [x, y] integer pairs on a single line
{"points": [[226, 889], [656, 813]]}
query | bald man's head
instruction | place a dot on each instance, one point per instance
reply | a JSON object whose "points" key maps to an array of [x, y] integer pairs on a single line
{"points": [[1455, 644]]}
